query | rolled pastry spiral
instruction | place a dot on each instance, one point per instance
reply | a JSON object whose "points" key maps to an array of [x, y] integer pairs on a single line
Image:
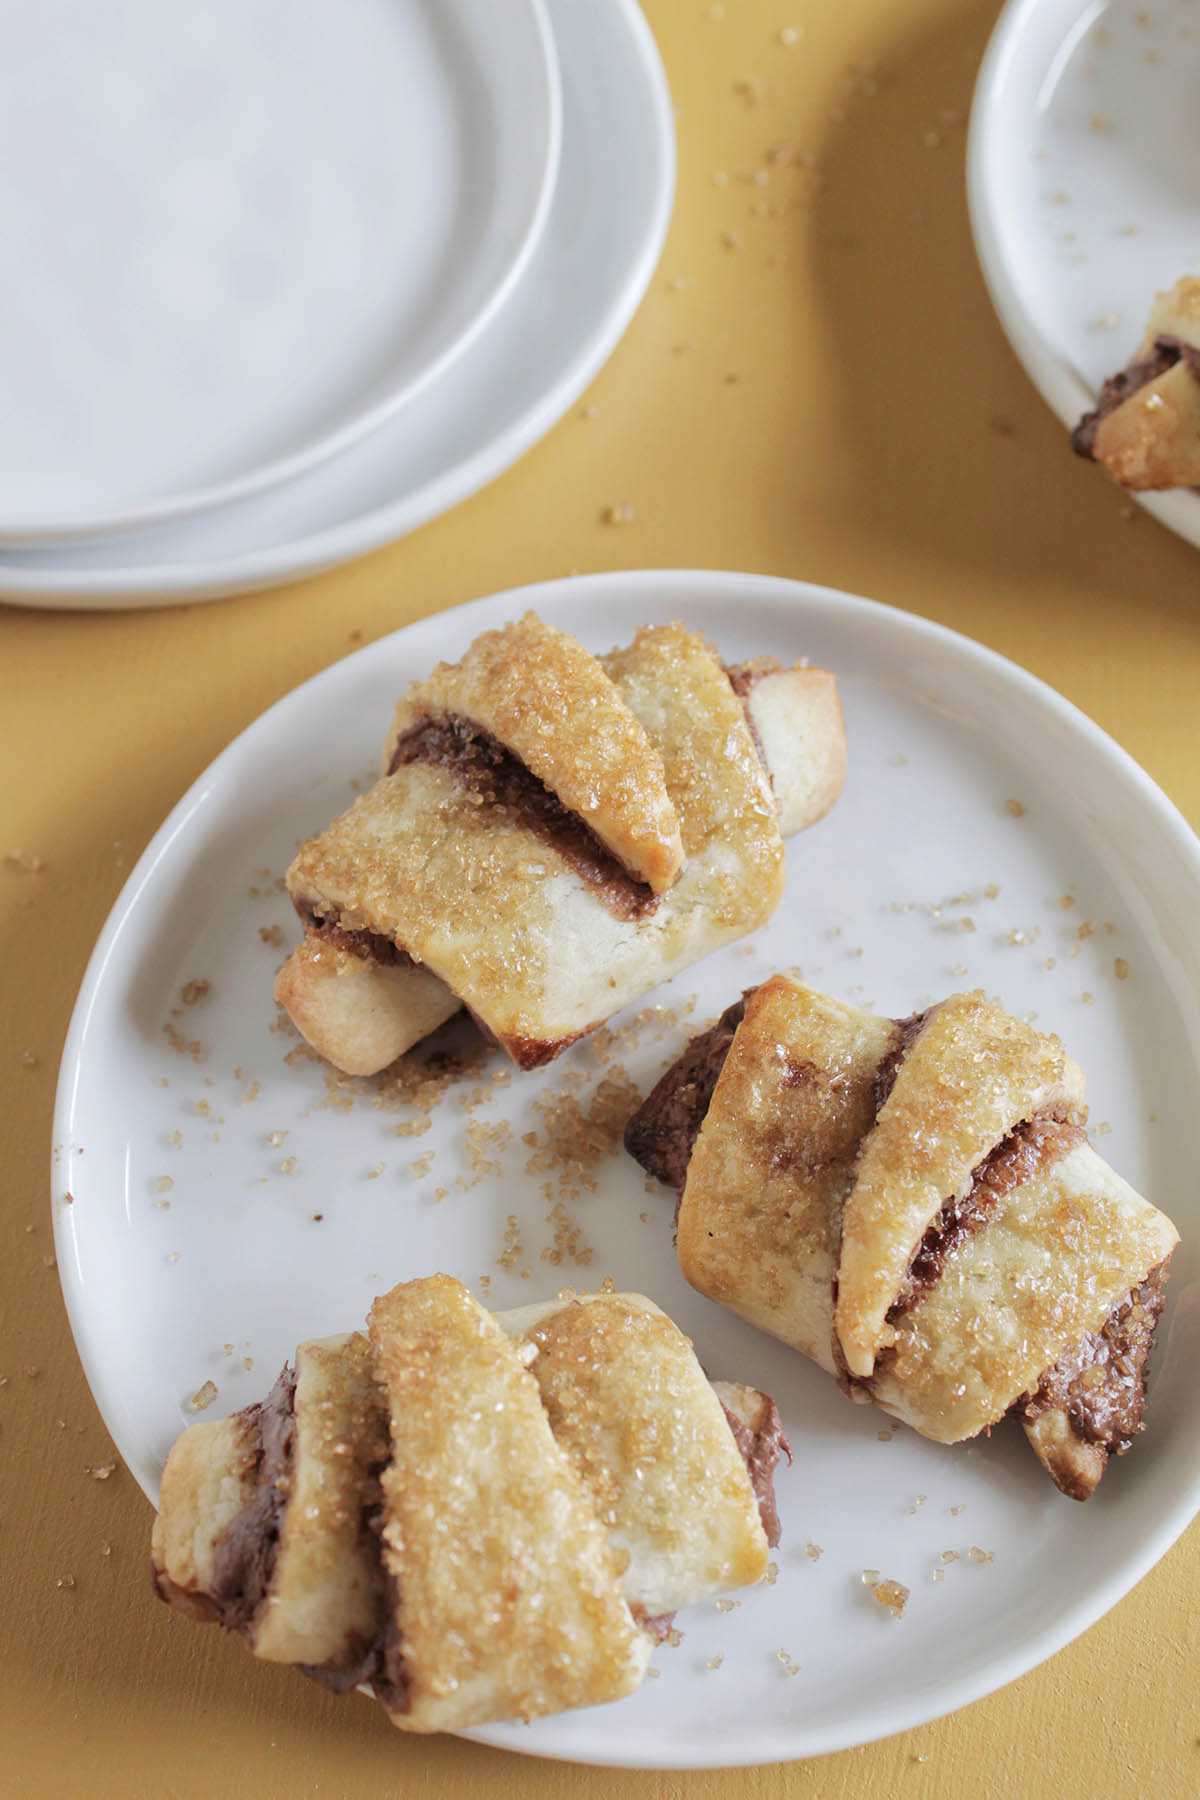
{"points": [[554, 833], [914, 1204], [1145, 429], [477, 1516]]}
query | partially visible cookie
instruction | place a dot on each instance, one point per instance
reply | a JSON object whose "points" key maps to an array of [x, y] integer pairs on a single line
{"points": [[1146, 428]]}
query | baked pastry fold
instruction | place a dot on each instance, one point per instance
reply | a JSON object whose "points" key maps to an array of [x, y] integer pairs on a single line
{"points": [[1146, 428], [553, 834], [915, 1205], [478, 1516]]}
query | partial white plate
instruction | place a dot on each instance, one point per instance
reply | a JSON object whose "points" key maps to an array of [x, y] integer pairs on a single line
{"points": [[292, 1202], [1083, 173], [608, 221], [241, 236]]}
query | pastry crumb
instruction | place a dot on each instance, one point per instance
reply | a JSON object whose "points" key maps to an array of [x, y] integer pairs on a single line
{"points": [[1121, 968], [25, 862], [99, 1471], [203, 1397], [813, 1552], [1015, 808], [194, 991]]}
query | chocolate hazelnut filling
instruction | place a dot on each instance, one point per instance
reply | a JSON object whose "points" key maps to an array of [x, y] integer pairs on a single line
{"points": [[1050, 1134], [1100, 1383], [244, 1565], [1167, 351], [662, 1133], [499, 779], [245, 1560], [760, 1450], [369, 945], [909, 1030]]}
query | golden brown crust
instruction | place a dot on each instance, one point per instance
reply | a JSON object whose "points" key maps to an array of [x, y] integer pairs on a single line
{"points": [[209, 1477], [1151, 442], [1057, 1254], [548, 700], [629, 1404], [507, 921], [758, 1225], [971, 1075], [797, 719], [322, 1598], [511, 1603], [796, 1138], [358, 1013]]}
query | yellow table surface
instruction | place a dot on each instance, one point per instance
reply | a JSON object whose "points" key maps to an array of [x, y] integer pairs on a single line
{"points": [[814, 386]]}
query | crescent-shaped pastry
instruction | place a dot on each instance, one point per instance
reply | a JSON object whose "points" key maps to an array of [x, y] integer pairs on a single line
{"points": [[1146, 428], [553, 834], [915, 1205], [477, 1516]]}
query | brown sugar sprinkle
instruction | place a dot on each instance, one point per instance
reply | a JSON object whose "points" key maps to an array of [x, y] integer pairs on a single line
{"points": [[576, 1137], [1086, 929], [949, 1556], [163, 1185], [981, 1556], [194, 991], [772, 1574], [726, 1606], [621, 513], [181, 1045], [204, 1109], [272, 935], [714, 1662], [203, 1397], [440, 1194], [813, 1552], [289, 1165], [421, 1167], [892, 1595], [1066, 901], [1015, 808], [1121, 969], [784, 1659], [674, 1638], [275, 1138], [885, 1437], [513, 1247]]}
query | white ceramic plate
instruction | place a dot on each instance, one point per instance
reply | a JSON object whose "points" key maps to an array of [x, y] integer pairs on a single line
{"points": [[943, 735], [602, 241], [242, 235], [1083, 170]]}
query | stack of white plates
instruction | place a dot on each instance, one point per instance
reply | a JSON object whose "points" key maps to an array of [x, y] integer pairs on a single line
{"points": [[287, 282]]}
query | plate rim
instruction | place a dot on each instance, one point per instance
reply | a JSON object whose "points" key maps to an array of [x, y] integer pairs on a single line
{"points": [[48, 534], [786, 595], [35, 584], [1064, 391]]}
